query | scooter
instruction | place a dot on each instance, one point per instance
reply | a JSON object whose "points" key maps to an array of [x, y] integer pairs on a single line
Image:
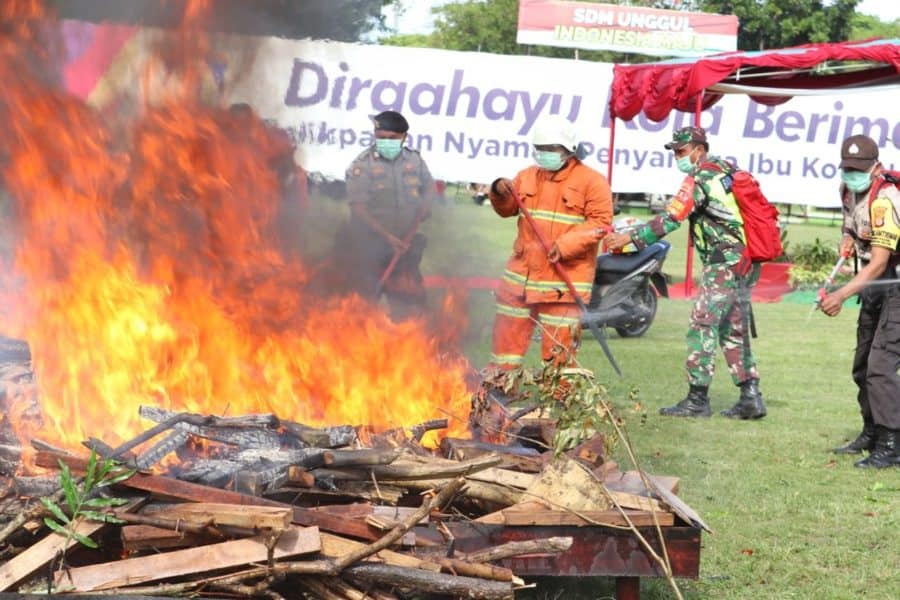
{"points": [[625, 290]]}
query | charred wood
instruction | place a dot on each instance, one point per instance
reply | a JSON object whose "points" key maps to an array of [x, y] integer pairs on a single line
{"points": [[36, 487], [170, 443], [252, 431], [326, 437], [10, 459]]}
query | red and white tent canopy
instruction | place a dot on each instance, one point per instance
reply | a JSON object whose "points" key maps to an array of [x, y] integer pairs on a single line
{"points": [[768, 76]]}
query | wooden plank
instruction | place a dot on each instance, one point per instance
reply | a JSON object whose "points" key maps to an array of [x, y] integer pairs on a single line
{"points": [[631, 482], [42, 552], [142, 537], [135, 571], [182, 490], [250, 517], [585, 518], [504, 477], [335, 547]]}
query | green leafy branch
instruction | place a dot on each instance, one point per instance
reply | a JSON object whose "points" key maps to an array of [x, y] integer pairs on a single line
{"points": [[577, 404], [81, 500]]}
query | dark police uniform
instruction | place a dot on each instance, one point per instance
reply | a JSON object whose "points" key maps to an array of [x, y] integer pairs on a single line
{"points": [[395, 193]]}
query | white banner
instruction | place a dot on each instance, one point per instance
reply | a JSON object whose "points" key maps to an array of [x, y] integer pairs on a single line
{"points": [[471, 116]]}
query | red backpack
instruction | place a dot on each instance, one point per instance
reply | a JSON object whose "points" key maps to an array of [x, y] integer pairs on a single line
{"points": [[888, 178], [761, 231]]}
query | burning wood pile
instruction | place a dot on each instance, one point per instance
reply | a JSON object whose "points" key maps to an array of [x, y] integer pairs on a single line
{"points": [[143, 264], [259, 506]]}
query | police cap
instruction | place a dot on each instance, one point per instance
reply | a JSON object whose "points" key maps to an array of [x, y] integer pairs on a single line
{"points": [[858, 152], [391, 120]]}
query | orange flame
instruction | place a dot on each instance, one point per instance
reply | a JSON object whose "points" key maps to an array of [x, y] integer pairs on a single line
{"points": [[146, 272]]}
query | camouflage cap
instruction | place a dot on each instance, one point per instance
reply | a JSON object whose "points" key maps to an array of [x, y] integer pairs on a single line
{"points": [[391, 120], [687, 135], [858, 152]]}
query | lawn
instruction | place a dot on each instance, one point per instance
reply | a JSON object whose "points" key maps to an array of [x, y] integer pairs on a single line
{"points": [[791, 520]]}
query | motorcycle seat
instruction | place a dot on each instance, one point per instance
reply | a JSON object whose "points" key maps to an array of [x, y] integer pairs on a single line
{"points": [[625, 263]]}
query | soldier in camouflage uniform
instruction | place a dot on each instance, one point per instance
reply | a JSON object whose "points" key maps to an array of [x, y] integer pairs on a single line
{"points": [[721, 312], [390, 192]]}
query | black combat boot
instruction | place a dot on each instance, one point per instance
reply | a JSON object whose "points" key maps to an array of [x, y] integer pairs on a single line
{"points": [[749, 405], [886, 452], [864, 441], [695, 404]]}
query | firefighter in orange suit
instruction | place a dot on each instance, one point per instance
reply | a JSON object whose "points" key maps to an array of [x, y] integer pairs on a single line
{"points": [[571, 204]]}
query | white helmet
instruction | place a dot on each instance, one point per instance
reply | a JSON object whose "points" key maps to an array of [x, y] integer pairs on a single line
{"points": [[555, 130]]}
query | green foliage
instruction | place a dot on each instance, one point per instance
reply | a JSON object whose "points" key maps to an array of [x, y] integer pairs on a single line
{"points": [[81, 501], [578, 405], [867, 26], [780, 23], [568, 396], [490, 26], [813, 264]]}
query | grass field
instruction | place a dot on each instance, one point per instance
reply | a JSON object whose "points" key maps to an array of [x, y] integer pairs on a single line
{"points": [[791, 520]]}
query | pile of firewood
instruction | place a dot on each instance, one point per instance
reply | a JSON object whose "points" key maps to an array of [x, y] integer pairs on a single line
{"points": [[271, 507]]}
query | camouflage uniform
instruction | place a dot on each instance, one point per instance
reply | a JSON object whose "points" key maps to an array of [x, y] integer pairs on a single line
{"points": [[394, 192], [721, 312]]}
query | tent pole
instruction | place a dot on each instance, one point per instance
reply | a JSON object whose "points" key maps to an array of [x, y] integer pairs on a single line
{"points": [[689, 263], [612, 147]]}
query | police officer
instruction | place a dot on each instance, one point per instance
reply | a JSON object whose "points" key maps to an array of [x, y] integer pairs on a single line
{"points": [[861, 171], [859, 154], [390, 192], [721, 312]]}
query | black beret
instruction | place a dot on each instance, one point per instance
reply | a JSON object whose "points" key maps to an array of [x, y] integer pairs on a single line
{"points": [[391, 120]]}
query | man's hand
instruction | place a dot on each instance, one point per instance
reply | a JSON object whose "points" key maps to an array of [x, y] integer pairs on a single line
{"points": [[615, 241], [846, 247], [503, 187], [398, 245], [831, 304], [555, 254]]}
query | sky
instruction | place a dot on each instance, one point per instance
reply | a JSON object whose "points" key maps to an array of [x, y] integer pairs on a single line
{"points": [[416, 15], [886, 10]]}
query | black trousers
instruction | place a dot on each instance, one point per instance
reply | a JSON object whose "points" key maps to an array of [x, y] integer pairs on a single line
{"points": [[882, 376], [869, 311]]}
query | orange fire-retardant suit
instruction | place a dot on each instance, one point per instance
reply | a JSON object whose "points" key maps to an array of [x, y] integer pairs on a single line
{"points": [[570, 206]]}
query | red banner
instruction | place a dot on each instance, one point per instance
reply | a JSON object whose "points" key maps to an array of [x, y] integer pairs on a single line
{"points": [[657, 32]]}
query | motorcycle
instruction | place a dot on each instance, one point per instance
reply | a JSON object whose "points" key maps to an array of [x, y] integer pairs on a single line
{"points": [[626, 288]]}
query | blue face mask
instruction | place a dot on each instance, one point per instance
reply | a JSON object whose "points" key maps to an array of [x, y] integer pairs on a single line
{"points": [[388, 148], [856, 181], [551, 161]]}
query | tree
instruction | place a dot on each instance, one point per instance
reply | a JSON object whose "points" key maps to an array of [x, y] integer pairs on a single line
{"points": [[867, 26], [343, 20], [490, 26], [781, 23]]}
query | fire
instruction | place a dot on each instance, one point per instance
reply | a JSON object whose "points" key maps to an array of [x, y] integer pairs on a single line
{"points": [[146, 271]]}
